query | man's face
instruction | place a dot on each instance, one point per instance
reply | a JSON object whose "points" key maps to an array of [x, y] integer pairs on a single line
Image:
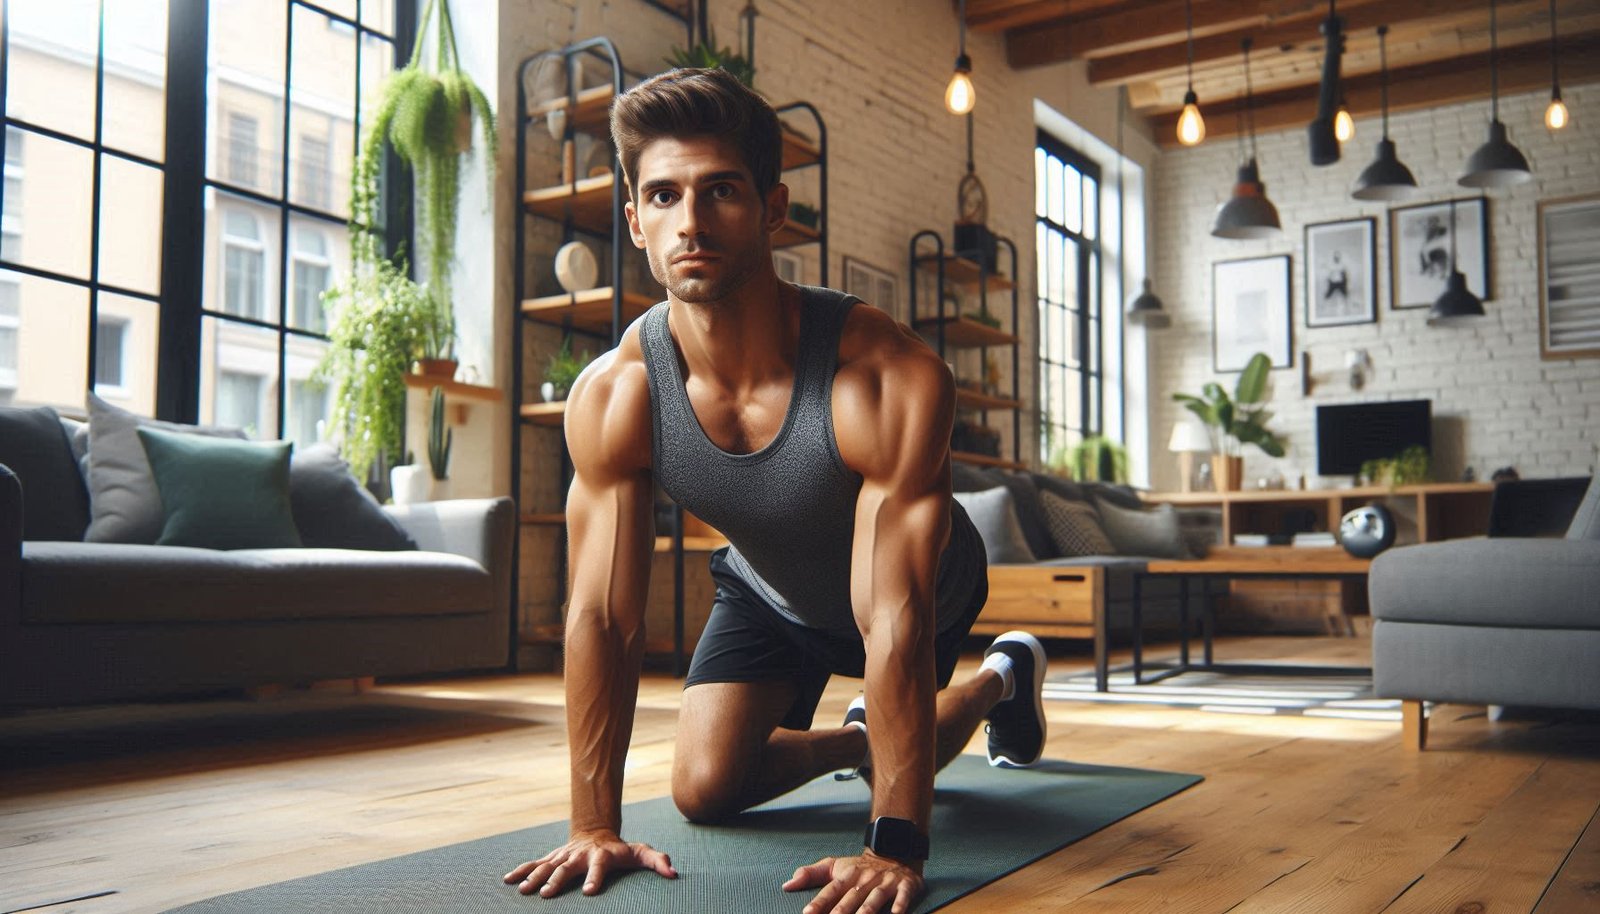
{"points": [[699, 219]]}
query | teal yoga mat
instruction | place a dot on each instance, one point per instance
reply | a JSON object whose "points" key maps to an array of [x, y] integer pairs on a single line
{"points": [[987, 822]]}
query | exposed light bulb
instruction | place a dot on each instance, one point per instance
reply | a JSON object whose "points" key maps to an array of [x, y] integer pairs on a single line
{"points": [[1191, 126], [1344, 126], [1556, 116], [959, 96]]}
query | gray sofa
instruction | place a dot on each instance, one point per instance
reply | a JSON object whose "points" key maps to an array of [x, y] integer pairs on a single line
{"points": [[1491, 621], [96, 621]]}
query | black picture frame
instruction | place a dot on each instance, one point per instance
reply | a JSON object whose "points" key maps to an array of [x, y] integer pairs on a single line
{"points": [[1251, 307], [1341, 272], [1419, 250]]}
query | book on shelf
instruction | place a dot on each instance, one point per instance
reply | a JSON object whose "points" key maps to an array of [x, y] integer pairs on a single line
{"points": [[1315, 540], [1252, 539]]}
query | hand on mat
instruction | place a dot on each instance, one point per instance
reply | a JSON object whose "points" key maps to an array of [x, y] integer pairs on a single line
{"points": [[867, 884], [594, 854]]}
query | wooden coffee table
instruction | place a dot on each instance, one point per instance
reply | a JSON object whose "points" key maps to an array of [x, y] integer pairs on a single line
{"points": [[1269, 562]]}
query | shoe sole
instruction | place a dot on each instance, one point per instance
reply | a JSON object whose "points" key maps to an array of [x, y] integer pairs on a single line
{"points": [[1039, 661]]}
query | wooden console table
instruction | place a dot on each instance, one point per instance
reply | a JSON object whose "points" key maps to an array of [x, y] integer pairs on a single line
{"points": [[1441, 510]]}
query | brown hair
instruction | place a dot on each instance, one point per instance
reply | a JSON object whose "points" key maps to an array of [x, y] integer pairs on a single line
{"points": [[698, 102]]}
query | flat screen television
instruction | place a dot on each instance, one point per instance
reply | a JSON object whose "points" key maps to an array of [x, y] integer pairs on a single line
{"points": [[1350, 434]]}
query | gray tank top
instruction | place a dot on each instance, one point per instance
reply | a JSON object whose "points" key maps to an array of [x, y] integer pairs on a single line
{"points": [[788, 510]]}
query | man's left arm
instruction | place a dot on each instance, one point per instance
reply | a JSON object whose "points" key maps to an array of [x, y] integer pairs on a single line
{"points": [[896, 433]]}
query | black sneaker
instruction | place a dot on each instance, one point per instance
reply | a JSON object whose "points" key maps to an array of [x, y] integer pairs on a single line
{"points": [[857, 714], [1016, 726]]}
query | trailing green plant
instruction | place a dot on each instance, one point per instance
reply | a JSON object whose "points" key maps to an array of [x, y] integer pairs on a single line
{"points": [[563, 368], [1241, 419], [1096, 458], [427, 118], [709, 55], [439, 437], [1410, 466]]}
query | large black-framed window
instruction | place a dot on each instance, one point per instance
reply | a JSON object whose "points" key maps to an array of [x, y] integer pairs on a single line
{"points": [[1067, 235], [176, 187]]}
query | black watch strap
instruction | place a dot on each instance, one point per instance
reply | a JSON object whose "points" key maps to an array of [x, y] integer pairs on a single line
{"points": [[897, 839]]}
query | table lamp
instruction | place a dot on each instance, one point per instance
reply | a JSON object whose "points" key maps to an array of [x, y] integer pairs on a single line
{"points": [[1188, 439]]}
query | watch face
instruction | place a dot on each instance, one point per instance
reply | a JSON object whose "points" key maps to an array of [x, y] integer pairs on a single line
{"points": [[897, 838]]}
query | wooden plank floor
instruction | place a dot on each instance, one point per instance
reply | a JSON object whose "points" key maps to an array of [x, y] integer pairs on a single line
{"points": [[165, 804]]}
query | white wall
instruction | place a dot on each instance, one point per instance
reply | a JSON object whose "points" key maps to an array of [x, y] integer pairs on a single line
{"points": [[1502, 405]]}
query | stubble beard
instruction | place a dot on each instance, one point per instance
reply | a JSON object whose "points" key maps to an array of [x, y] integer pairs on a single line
{"points": [[733, 271]]}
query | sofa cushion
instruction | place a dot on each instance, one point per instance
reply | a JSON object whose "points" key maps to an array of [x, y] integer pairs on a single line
{"points": [[1075, 527], [124, 504], [134, 583], [1030, 512], [55, 504], [967, 478], [1504, 583], [992, 514], [332, 510], [221, 494], [1152, 532], [1060, 485], [1586, 523]]}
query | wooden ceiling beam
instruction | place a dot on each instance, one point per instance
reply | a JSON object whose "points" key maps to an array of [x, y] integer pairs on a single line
{"points": [[1000, 15], [1462, 79]]}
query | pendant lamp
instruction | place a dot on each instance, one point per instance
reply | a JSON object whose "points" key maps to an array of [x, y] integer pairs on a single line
{"points": [[1146, 309], [1457, 305], [959, 96], [1387, 178], [1555, 116], [1497, 163], [1191, 126], [1248, 214]]}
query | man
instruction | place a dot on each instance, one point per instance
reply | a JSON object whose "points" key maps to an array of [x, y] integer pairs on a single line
{"points": [[816, 436]]}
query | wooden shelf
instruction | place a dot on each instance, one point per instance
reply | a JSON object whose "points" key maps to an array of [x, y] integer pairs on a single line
{"points": [[793, 233], [587, 310], [543, 520], [798, 153], [592, 114], [965, 272], [984, 460], [964, 332], [550, 414], [692, 543], [454, 388], [588, 201], [972, 399]]}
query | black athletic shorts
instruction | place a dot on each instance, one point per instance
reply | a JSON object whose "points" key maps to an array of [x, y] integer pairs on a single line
{"points": [[746, 640]]}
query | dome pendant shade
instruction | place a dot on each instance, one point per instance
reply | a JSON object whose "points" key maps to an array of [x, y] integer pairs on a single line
{"points": [[1496, 163], [1249, 214], [1147, 310], [1457, 304], [1387, 178]]}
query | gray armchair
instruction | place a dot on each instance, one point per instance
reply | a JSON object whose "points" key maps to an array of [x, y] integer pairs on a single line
{"points": [[1493, 621]]}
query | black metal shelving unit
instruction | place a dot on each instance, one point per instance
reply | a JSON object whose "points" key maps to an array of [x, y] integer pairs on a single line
{"points": [[967, 271], [586, 207]]}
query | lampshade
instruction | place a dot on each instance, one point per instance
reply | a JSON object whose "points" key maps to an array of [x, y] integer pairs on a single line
{"points": [[1387, 178], [1146, 309], [1249, 214], [1496, 163], [1456, 305], [1188, 436]]}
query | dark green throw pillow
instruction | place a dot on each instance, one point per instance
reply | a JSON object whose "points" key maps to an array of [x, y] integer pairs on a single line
{"points": [[218, 493]]}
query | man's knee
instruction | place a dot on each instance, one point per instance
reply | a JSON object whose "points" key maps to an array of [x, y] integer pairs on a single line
{"points": [[705, 791]]}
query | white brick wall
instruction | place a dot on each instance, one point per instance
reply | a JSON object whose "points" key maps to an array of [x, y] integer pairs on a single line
{"points": [[1495, 402]]}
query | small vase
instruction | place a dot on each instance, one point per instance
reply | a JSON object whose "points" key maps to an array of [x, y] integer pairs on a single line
{"points": [[1228, 472], [548, 391], [444, 369], [409, 483]]}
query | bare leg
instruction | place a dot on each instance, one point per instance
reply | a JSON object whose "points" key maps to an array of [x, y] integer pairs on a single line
{"points": [[961, 708]]}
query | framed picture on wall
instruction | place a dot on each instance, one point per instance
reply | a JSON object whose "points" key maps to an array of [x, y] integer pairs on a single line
{"points": [[1341, 273], [1569, 277], [1420, 239], [789, 266], [873, 285], [1250, 312]]}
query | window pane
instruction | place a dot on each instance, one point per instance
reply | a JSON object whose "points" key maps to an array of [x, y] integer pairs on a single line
{"points": [[377, 62], [53, 227], [323, 111], [318, 254], [109, 340], [50, 63], [134, 118], [309, 404], [345, 8], [46, 355], [139, 326], [246, 102], [239, 377], [1039, 204], [1091, 207], [241, 257], [1072, 187], [378, 14], [1053, 179], [130, 225], [1054, 249]]}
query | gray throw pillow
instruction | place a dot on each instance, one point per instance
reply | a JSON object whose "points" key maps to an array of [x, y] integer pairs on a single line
{"points": [[1060, 485], [333, 511], [1116, 493], [124, 503], [1151, 533], [33, 444], [1586, 523], [992, 513], [1030, 514], [967, 478], [1075, 527]]}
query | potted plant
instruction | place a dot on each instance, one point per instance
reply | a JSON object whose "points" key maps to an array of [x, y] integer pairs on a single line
{"points": [[439, 441], [426, 116], [708, 55], [562, 370], [1096, 458], [1236, 421], [1410, 466]]}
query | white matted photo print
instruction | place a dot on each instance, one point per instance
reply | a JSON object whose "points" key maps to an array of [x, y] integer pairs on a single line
{"points": [[1250, 312], [873, 285], [1340, 273], [1421, 239]]}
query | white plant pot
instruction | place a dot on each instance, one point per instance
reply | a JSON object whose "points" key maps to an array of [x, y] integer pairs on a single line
{"points": [[409, 483], [548, 391]]}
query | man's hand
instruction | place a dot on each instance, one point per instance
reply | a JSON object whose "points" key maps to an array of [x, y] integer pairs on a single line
{"points": [[867, 884], [593, 853]]}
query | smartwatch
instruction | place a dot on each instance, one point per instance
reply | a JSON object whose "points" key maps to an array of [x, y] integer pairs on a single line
{"points": [[898, 839]]}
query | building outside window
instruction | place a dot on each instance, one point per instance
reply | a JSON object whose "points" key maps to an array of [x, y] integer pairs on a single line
{"points": [[239, 401], [244, 260], [312, 277], [10, 325], [308, 410], [11, 217], [110, 355], [316, 173], [243, 150]]}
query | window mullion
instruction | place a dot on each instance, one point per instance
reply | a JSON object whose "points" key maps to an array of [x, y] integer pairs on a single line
{"points": [[183, 213]]}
